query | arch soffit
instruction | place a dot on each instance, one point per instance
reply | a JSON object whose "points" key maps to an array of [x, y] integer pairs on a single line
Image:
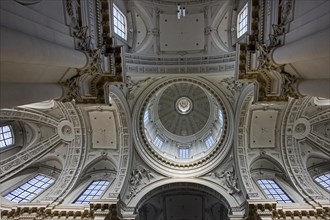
{"points": [[199, 184], [126, 140], [272, 160]]}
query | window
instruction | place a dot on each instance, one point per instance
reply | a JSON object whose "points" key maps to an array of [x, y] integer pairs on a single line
{"points": [[273, 191], [6, 136], [324, 181], [209, 141], [158, 142], [119, 22], [183, 152], [93, 191], [146, 117], [30, 189], [242, 22], [220, 117]]}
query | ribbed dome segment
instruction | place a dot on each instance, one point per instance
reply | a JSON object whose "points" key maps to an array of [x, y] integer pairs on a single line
{"points": [[183, 109]]}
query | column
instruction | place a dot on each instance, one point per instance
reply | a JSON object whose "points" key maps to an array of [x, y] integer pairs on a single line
{"points": [[314, 87], [15, 94], [308, 48], [22, 48]]}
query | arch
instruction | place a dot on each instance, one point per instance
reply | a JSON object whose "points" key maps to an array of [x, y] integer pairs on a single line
{"points": [[200, 184], [266, 161], [118, 98], [194, 197], [100, 168]]}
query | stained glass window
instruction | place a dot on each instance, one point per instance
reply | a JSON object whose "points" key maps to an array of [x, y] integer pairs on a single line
{"points": [[30, 189], [93, 191], [274, 191]]}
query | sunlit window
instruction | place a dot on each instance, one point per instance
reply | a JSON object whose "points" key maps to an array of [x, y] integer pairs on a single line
{"points": [[324, 181], [183, 152], [30, 189], [220, 117], [242, 22], [158, 141], [119, 22], [93, 191], [209, 141], [273, 191], [6, 136], [146, 117]]}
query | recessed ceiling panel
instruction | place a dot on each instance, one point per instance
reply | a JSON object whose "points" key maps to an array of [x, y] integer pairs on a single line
{"points": [[184, 34], [262, 131], [103, 129]]}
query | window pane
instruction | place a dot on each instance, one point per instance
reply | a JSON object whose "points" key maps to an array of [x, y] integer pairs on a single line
{"points": [[324, 181], [274, 191], [6, 136], [119, 22], [93, 191], [242, 21], [28, 190]]}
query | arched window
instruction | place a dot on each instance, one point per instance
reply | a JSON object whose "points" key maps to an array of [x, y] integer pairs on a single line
{"points": [[93, 191], [323, 180], [6, 136], [274, 191], [119, 22], [30, 189]]}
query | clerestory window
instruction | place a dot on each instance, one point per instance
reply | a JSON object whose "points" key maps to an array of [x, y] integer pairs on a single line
{"points": [[93, 191], [242, 22], [119, 22], [209, 141], [6, 136], [324, 181], [146, 117], [183, 152], [158, 141], [274, 191], [29, 190]]}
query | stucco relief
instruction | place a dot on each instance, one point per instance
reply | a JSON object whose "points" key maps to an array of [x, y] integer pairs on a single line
{"points": [[294, 162]]}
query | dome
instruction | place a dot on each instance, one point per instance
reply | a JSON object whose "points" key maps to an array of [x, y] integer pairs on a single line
{"points": [[183, 123]]}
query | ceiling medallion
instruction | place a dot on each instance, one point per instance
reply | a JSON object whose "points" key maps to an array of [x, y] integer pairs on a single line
{"points": [[184, 105]]}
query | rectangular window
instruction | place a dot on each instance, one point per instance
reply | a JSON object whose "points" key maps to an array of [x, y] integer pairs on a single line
{"points": [[273, 191], [158, 141], [30, 189], [242, 21], [93, 191], [6, 136], [146, 117], [209, 141], [119, 22], [183, 152]]}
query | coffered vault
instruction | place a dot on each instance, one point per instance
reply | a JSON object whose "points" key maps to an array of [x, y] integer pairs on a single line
{"points": [[118, 109]]}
